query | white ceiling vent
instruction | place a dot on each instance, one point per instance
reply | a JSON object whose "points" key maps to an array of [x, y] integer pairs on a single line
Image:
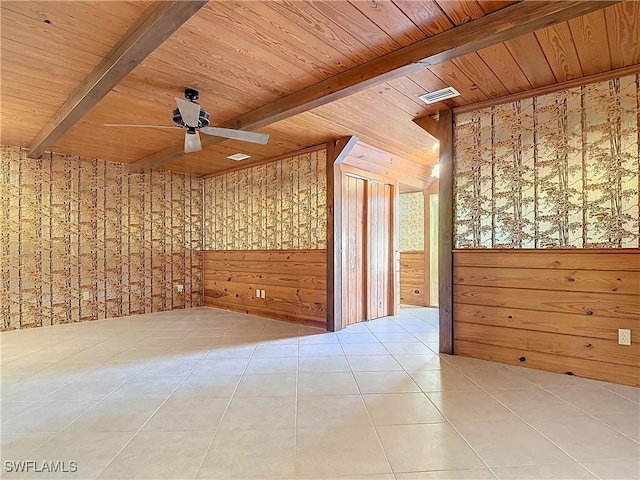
{"points": [[238, 156], [439, 95]]}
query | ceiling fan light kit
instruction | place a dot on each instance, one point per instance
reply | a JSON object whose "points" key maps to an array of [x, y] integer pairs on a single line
{"points": [[195, 120]]}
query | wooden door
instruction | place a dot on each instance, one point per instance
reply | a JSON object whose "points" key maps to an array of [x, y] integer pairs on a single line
{"points": [[353, 244], [367, 250], [379, 250]]}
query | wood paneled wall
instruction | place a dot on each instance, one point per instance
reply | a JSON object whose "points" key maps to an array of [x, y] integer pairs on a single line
{"points": [[413, 290], [85, 239], [294, 281], [555, 310]]}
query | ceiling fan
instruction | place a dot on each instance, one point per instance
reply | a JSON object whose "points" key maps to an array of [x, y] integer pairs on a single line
{"points": [[189, 115]]}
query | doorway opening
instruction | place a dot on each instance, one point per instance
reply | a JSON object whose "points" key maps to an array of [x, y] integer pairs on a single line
{"points": [[418, 241]]}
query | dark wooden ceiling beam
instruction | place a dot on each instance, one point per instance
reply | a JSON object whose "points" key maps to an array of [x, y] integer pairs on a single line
{"points": [[429, 125], [157, 24], [497, 27]]}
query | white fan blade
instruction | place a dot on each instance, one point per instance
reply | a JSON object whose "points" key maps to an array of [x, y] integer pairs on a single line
{"points": [[253, 137], [192, 142], [189, 111], [140, 126]]}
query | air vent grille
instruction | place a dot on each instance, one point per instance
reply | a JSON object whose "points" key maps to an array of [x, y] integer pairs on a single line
{"points": [[238, 156], [439, 95]]}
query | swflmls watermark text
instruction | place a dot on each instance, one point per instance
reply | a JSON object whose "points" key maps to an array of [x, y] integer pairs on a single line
{"points": [[45, 466]]}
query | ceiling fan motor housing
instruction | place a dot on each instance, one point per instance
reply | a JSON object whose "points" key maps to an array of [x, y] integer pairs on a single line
{"points": [[191, 94], [203, 120]]}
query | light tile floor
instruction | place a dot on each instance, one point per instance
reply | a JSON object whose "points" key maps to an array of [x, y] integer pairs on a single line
{"points": [[205, 393]]}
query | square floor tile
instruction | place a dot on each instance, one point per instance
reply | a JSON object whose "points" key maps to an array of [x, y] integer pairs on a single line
{"points": [[364, 349], [275, 340], [531, 403], [413, 348], [357, 338], [419, 362], [92, 451], [339, 451], [503, 443], [187, 414], [397, 337], [373, 363], [220, 366], [630, 393], [240, 351], [260, 412], [401, 409], [45, 417], [270, 365], [116, 415], [160, 455], [498, 379], [32, 390], [595, 400], [444, 379], [142, 388], [627, 424], [250, 454], [340, 383], [87, 389], [469, 406], [323, 364], [20, 446], [331, 410], [317, 339], [276, 351], [428, 337], [385, 382], [474, 474], [356, 328], [548, 379], [216, 386], [390, 327], [436, 446], [276, 327], [585, 438], [321, 350], [171, 368], [11, 409], [276, 385], [615, 469], [543, 472]]}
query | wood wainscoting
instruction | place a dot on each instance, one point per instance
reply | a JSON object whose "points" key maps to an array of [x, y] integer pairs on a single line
{"points": [[413, 286], [555, 310], [295, 282]]}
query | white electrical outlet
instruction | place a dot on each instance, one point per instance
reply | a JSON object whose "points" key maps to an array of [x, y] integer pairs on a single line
{"points": [[180, 288], [86, 296], [624, 336], [263, 294], [257, 293]]}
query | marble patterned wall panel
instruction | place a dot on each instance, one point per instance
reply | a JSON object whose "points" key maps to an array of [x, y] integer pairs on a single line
{"points": [[411, 222], [555, 171], [85, 239], [279, 205]]}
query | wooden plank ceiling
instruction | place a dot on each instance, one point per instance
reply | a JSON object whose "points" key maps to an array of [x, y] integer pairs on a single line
{"points": [[244, 54]]}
